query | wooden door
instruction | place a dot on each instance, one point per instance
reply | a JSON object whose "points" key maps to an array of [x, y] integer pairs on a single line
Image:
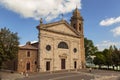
{"points": [[28, 66], [47, 65], [63, 63]]}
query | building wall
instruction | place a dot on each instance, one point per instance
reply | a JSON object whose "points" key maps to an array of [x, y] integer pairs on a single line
{"points": [[23, 59], [56, 54]]}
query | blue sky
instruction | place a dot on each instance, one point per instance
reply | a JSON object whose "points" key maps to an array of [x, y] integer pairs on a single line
{"points": [[101, 18]]}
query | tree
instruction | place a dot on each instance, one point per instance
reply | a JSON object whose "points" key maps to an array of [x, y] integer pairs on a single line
{"points": [[8, 45], [116, 57], [90, 49], [99, 59], [108, 56]]}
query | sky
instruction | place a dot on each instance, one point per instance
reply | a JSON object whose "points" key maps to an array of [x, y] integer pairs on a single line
{"points": [[101, 18]]}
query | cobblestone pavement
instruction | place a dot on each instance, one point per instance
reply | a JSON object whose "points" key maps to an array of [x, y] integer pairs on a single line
{"points": [[73, 75]]}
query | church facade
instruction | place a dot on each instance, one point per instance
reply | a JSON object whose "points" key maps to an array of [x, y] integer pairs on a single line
{"points": [[60, 46]]}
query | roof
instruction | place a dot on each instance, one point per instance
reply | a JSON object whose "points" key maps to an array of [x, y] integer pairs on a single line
{"points": [[35, 44], [28, 46]]}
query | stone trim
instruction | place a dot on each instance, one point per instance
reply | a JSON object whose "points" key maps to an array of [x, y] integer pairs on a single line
{"points": [[47, 58], [75, 59], [63, 56]]}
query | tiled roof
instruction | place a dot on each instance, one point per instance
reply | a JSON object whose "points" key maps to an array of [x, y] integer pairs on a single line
{"points": [[28, 46], [35, 44]]}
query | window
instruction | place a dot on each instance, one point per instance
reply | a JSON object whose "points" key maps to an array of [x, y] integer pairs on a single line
{"points": [[79, 27], [48, 47], [74, 26], [74, 50], [28, 54], [63, 45]]}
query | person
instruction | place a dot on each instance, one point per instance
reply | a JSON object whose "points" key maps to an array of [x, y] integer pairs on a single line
{"points": [[25, 73], [90, 69]]}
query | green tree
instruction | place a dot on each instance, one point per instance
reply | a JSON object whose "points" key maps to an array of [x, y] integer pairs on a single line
{"points": [[9, 42], [115, 57], [90, 49], [99, 59], [108, 56]]}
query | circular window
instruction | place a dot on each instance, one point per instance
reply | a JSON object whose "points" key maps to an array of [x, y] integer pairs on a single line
{"points": [[48, 47], [75, 50]]}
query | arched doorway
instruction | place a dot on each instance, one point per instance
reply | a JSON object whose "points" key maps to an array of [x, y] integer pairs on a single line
{"points": [[28, 66]]}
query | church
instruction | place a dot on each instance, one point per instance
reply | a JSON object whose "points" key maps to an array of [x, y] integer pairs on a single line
{"points": [[60, 46]]}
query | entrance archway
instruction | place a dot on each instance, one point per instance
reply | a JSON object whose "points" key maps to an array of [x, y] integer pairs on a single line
{"points": [[28, 66]]}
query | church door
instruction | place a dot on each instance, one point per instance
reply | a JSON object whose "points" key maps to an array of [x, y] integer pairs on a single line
{"points": [[75, 64], [47, 65], [62, 63]]}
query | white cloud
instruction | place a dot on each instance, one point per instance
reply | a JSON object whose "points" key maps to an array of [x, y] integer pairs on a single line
{"points": [[110, 21], [48, 9], [106, 44], [116, 31]]}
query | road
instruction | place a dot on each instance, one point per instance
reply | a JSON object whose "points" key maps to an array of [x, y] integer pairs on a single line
{"points": [[79, 75]]}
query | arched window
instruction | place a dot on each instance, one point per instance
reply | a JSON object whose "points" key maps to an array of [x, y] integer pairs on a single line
{"points": [[74, 26], [63, 45], [28, 54], [80, 27]]}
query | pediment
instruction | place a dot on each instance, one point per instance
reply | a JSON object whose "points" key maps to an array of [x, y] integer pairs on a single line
{"points": [[63, 56], [63, 28]]}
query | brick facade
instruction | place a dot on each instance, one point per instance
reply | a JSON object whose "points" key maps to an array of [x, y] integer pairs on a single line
{"points": [[27, 58]]}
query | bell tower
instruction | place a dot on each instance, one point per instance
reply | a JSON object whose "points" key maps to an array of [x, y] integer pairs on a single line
{"points": [[77, 24], [77, 21]]}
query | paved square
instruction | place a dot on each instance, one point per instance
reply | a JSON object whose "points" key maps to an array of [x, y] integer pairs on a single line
{"points": [[75, 75]]}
